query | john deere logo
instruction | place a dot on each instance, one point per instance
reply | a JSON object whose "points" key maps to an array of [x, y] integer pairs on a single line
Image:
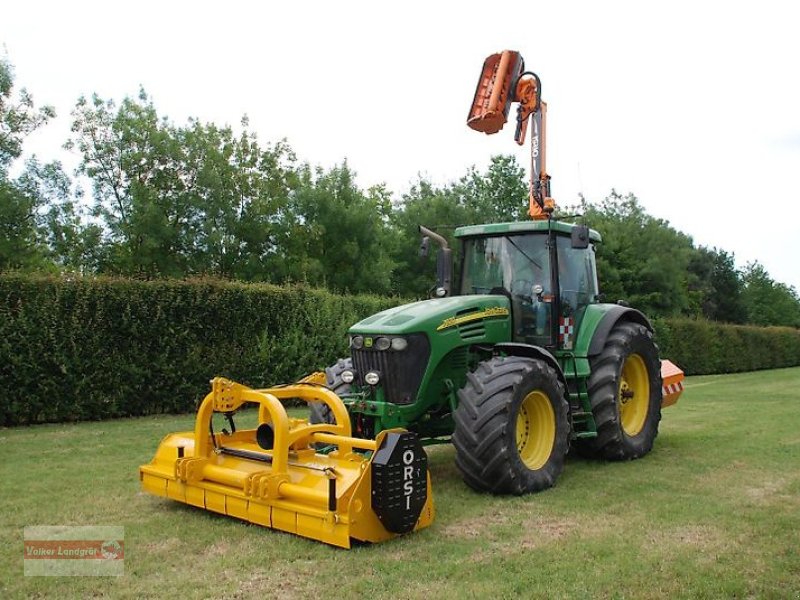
{"points": [[367, 342]]}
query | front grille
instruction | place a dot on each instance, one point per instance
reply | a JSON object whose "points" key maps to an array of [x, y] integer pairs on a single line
{"points": [[401, 372]]}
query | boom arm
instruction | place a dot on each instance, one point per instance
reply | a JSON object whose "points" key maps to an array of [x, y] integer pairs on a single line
{"points": [[504, 81]]}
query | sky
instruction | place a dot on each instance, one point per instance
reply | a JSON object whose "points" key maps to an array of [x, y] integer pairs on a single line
{"points": [[691, 106]]}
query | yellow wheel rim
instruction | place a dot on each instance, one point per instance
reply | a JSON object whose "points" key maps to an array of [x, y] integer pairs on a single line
{"points": [[634, 395], [536, 430]]}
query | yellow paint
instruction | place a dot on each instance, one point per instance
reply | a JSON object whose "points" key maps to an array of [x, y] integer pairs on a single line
{"points": [[291, 493], [634, 395], [316, 378], [495, 311], [535, 430]]}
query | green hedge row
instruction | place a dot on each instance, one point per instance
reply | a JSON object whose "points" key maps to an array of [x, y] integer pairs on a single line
{"points": [[703, 347], [101, 348]]}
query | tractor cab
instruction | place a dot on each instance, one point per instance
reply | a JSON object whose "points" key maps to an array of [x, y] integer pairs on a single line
{"points": [[545, 268]]}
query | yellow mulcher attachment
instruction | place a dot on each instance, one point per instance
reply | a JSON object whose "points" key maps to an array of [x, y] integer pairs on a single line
{"points": [[369, 490]]}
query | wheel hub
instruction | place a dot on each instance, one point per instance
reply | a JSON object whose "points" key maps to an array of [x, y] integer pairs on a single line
{"points": [[535, 429], [634, 395]]}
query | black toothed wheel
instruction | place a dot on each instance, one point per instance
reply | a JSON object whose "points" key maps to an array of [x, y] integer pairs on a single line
{"points": [[321, 413], [512, 427], [625, 394]]}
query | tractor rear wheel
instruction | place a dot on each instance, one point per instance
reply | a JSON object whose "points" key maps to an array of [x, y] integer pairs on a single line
{"points": [[320, 413], [512, 430], [625, 393]]}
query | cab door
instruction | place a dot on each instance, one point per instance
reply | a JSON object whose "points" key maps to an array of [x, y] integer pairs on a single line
{"points": [[577, 285]]}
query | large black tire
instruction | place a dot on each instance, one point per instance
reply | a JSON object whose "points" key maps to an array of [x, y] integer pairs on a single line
{"points": [[512, 430], [625, 394], [320, 413]]}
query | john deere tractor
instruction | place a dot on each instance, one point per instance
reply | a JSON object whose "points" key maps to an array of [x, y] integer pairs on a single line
{"points": [[519, 361]]}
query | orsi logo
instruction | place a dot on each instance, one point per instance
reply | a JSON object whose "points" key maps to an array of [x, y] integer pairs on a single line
{"points": [[408, 476]]}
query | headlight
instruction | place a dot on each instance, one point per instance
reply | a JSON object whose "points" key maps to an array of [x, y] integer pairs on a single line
{"points": [[347, 376], [357, 342], [382, 343], [372, 378], [399, 343]]}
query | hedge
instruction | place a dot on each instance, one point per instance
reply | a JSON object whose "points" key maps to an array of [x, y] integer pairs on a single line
{"points": [[86, 349], [80, 349], [702, 347]]}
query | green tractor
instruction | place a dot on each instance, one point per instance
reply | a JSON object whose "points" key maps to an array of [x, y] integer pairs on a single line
{"points": [[519, 361], [520, 364]]}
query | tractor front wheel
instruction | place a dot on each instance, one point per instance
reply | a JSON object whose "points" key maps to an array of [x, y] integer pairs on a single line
{"points": [[320, 413], [625, 393], [512, 430]]}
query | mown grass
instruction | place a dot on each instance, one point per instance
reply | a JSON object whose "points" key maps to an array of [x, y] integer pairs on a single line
{"points": [[713, 511]]}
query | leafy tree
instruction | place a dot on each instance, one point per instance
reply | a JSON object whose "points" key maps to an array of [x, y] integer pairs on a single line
{"points": [[500, 194], [71, 243], [642, 259], [180, 200], [20, 247], [18, 117], [766, 301], [22, 238], [238, 201], [130, 156], [715, 286], [340, 235]]}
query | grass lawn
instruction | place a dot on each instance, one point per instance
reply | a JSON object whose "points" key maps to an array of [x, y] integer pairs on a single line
{"points": [[713, 511]]}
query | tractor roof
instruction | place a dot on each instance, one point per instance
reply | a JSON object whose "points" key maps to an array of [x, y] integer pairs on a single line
{"points": [[519, 228]]}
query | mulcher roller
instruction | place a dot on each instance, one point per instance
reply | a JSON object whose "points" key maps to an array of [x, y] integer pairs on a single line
{"points": [[368, 490]]}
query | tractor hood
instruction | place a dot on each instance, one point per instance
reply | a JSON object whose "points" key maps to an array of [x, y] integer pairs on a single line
{"points": [[435, 315]]}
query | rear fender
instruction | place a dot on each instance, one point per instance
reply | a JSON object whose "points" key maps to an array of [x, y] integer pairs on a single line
{"points": [[612, 316]]}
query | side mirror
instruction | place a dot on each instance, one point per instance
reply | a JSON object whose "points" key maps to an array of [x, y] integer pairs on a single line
{"points": [[424, 247], [580, 237]]}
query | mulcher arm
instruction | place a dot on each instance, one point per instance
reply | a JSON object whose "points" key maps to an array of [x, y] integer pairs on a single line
{"points": [[369, 490], [505, 81]]}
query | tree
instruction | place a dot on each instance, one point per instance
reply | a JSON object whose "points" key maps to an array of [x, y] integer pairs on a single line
{"points": [[240, 193], [22, 243], [715, 286], [130, 156], [18, 117], [68, 241], [340, 235], [500, 194], [642, 259], [179, 200], [768, 302]]}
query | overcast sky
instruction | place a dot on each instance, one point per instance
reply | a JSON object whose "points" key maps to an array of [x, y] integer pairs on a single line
{"points": [[692, 106]]}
